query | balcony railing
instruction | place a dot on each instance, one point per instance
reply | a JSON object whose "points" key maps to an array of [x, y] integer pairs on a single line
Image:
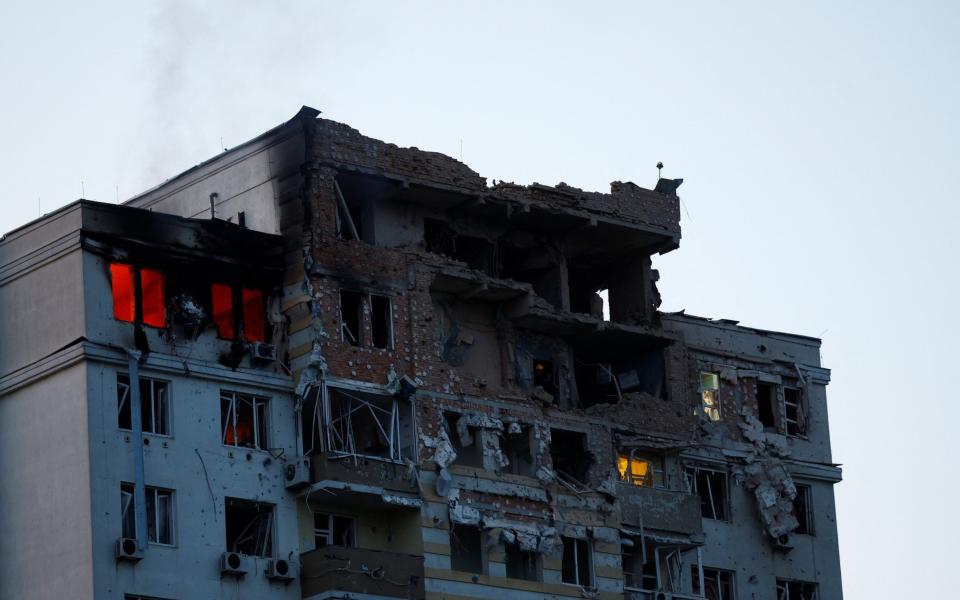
{"points": [[663, 510], [355, 570]]}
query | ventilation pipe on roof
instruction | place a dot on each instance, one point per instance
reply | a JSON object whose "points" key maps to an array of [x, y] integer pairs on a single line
{"points": [[213, 205]]}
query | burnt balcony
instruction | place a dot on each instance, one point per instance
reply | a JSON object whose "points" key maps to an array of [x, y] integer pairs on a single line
{"points": [[374, 573], [660, 509], [363, 481]]}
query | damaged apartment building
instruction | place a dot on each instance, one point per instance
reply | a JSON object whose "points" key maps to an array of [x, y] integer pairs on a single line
{"points": [[321, 366]]}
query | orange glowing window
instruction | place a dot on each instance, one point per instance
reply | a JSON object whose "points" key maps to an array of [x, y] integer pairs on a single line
{"points": [[153, 304], [253, 315], [635, 470], [222, 296], [124, 299], [151, 291]]}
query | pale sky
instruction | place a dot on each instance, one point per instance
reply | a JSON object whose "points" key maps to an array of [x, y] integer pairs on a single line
{"points": [[818, 142]]}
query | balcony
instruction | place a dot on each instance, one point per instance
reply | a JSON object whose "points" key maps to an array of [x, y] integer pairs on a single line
{"points": [[661, 510], [373, 573], [365, 482]]}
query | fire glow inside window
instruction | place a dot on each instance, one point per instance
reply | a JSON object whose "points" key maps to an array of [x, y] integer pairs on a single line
{"points": [[237, 308], [138, 294]]}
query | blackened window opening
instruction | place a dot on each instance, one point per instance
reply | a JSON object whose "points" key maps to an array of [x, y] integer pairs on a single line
{"points": [[249, 527], [334, 530], [568, 450], [479, 253], [802, 506], [516, 446], [576, 567], [717, 584], [711, 486], [544, 376], [351, 316], [521, 564], [466, 553], [381, 321], [465, 439], [766, 404]]}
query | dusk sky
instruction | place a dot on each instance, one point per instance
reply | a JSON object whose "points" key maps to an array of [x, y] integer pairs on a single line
{"points": [[819, 143]]}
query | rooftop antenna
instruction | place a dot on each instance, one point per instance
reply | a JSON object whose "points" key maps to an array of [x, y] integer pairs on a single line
{"points": [[83, 192], [659, 167]]}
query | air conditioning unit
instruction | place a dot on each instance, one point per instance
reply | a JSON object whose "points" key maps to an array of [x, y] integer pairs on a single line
{"points": [[127, 549], [296, 473], [262, 351], [234, 563], [281, 570]]}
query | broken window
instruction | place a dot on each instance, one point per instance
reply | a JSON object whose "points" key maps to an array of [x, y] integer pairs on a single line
{"points": [[244, 420], [767, 404], [159, 514], [351, 316], [577, 564], [466, 548], [640, 470], [710, 395], [521, 564], [717, 584], [249, 527], [711, 486], [543, 375], [354, 218], [794, 413], [381, 321], [334, 530], [138, 295], [465, 439], [571, 461], [477, 252], [796, 590], [154, 405], [638, 573], [366, 424], [250, 319], [515, 445], [803, 509]]}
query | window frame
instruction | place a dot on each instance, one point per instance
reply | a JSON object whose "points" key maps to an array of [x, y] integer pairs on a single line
{"points": [[137, 289], [712, 410], [800, 422], [330, 529], [807, 491], [783, 589], [255, 400], [239, 299], [271, 525], [129, 507], [693, 487], [168, 404], [389, 323], [732, 582], [537, 566], [577, 542], [656, 474], [454, 540]]}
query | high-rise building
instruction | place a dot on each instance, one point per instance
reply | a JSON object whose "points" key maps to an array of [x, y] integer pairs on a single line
{"points": [[321, 366]]}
